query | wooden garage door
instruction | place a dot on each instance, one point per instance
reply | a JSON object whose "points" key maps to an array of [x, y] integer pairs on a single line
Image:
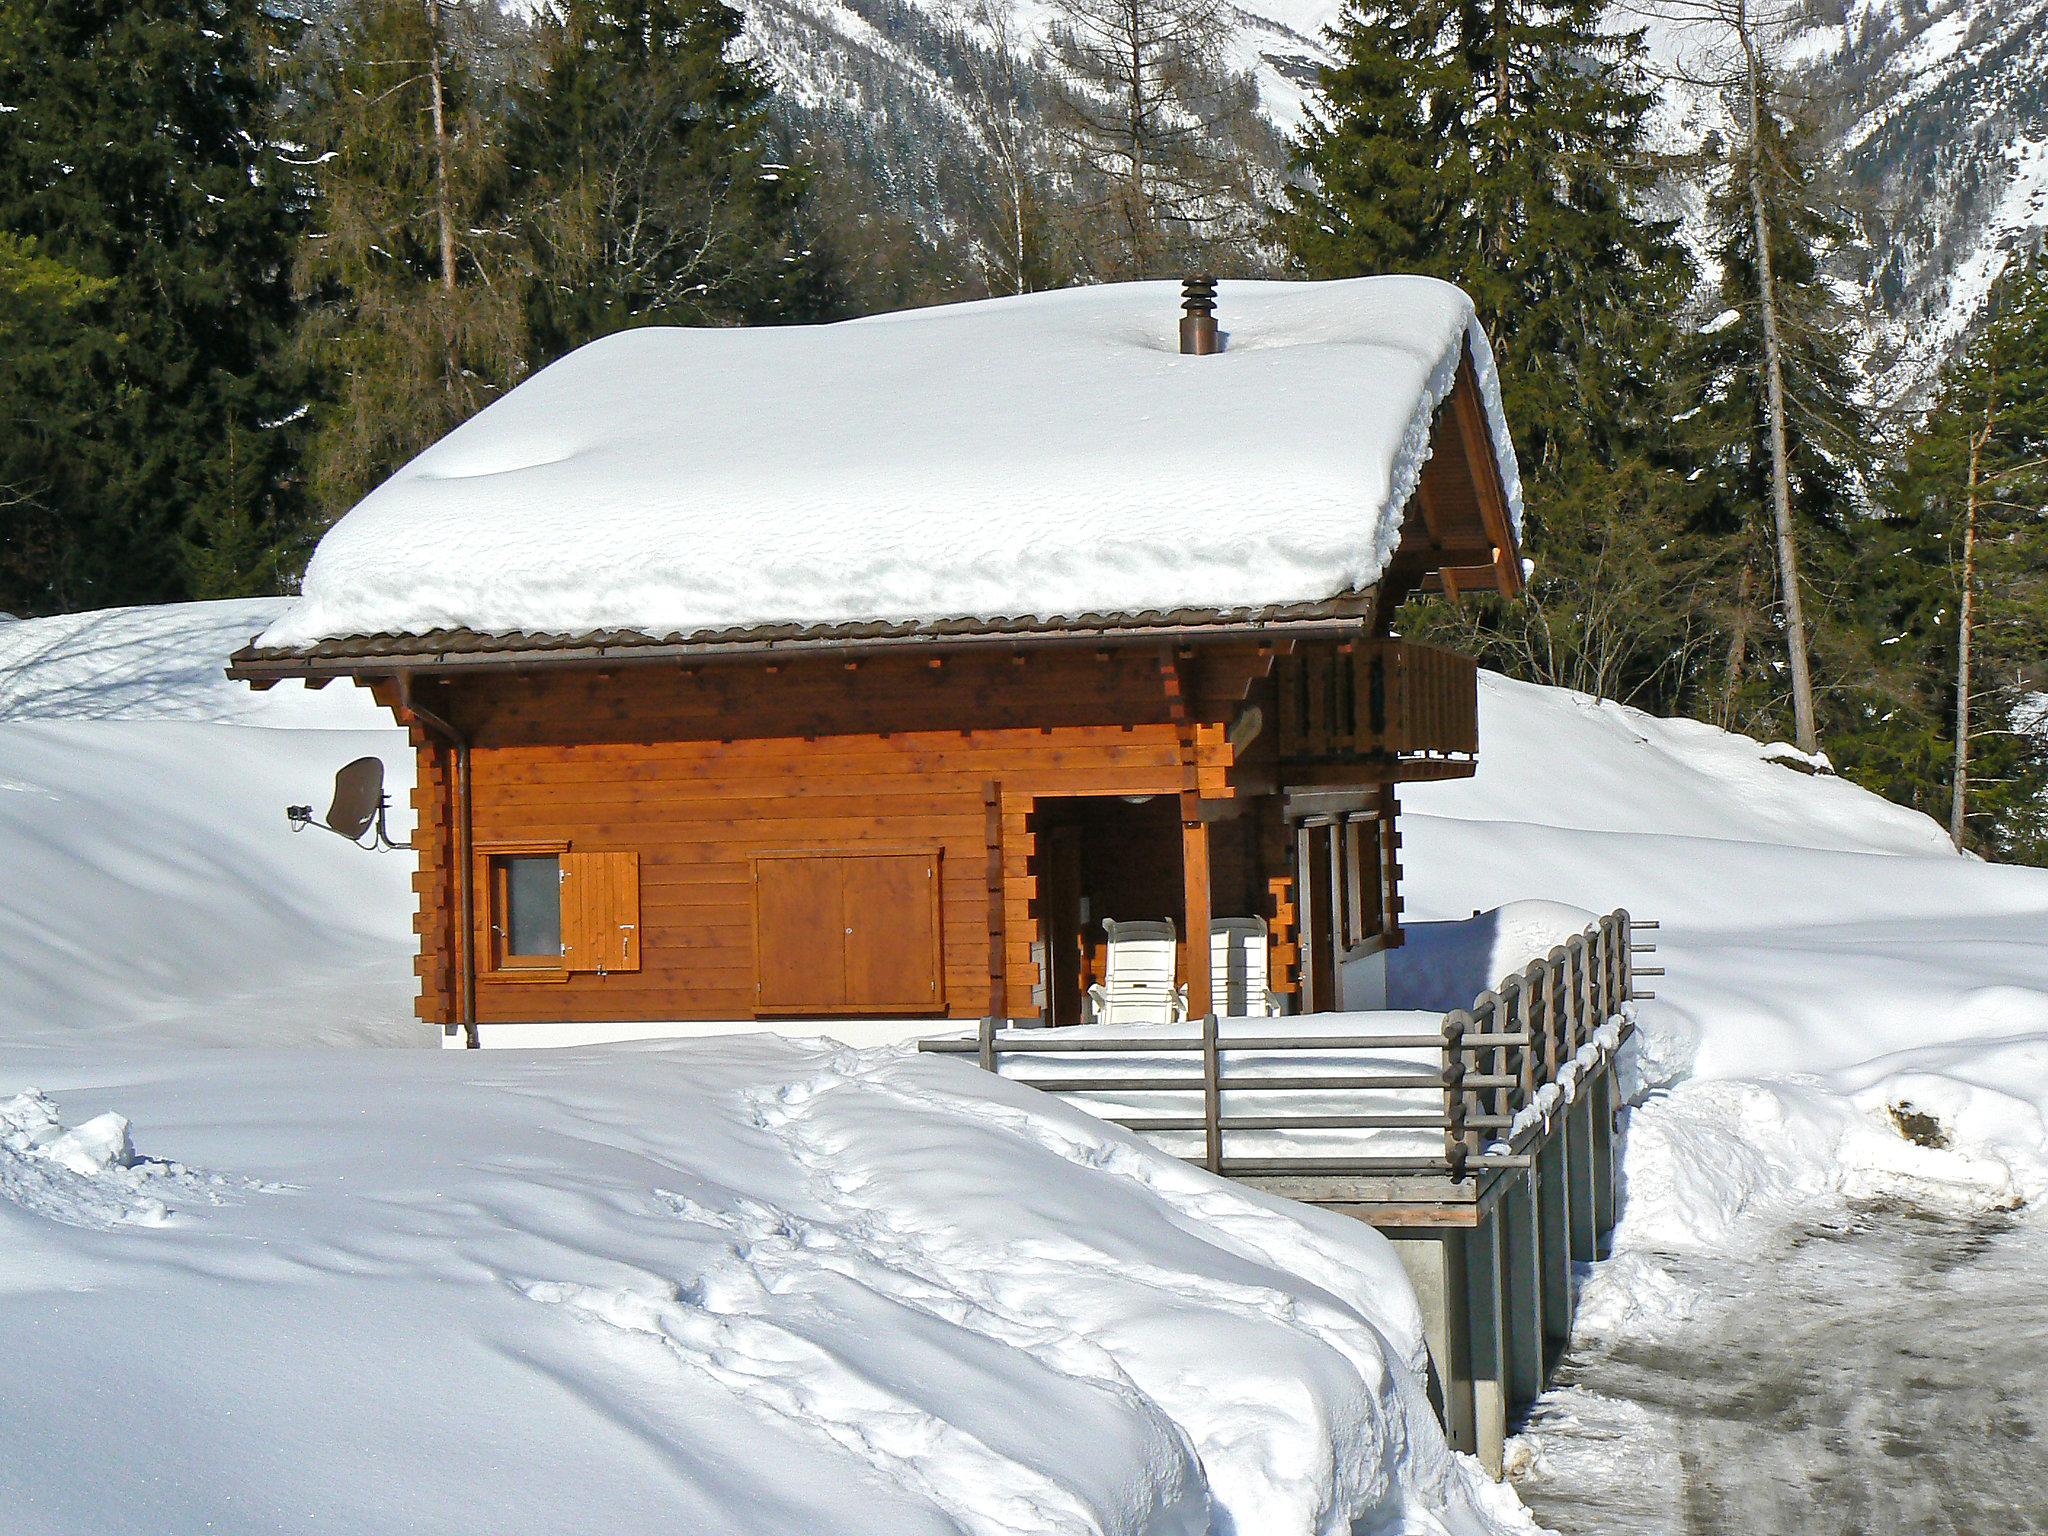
{"points": [[847, 932]]}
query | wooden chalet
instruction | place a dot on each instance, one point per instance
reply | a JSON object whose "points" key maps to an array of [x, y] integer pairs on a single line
{"points": [[829, 813]]}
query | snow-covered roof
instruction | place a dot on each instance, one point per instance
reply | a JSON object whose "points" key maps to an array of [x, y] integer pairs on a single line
{"points": [[1045, 456]]}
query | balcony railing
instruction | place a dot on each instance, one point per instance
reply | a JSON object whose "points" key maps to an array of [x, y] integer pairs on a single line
{"points": [[1377, 698], [1481, 1090]]}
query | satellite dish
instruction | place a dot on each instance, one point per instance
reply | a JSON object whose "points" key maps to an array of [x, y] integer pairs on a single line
{"points": [[358, 806], [358, 797]]}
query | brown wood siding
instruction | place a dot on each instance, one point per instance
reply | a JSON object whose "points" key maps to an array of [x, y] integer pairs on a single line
{"points": [[698, 773]]}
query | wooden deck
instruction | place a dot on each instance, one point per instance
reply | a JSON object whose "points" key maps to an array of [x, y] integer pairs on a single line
{"points": [[1485, 1084], [1483, 1148]]}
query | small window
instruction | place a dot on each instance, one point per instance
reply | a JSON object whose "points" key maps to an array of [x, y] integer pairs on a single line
{"points": [[532, 908], [544, 912]]}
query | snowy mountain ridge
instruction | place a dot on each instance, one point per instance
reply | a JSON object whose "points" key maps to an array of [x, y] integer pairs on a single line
{"points": [[1935, 114]]}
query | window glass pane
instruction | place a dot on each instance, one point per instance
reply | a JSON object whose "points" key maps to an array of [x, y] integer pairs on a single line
{"points": [[533, 906]]}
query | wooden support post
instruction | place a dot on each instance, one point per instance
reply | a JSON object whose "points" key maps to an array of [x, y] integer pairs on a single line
{"points": [[1554, 1253], [1521, 1267], [1601, 1091], [998, 960], [1576, 1133], [1486, 1341], [1194, 948]]}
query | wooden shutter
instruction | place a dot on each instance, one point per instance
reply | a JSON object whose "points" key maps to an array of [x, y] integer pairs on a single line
{"points": [[847, 932], [892, 932], [601, 911], [799, 951]]}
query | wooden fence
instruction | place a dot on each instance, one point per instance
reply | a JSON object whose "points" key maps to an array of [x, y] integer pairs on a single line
{"points": [[1490, 1063]]}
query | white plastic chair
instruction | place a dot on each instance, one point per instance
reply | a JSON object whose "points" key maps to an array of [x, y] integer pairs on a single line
{"points": [[1138, 985], [1237, 969]]}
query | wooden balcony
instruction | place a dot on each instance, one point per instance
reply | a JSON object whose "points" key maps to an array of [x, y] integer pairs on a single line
{"points": [[1380, 700]]}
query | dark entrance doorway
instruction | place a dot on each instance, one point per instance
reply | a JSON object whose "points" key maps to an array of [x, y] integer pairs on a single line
{"points": [[1100, 856]]}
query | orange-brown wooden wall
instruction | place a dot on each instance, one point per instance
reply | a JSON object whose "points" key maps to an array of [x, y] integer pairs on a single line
{"points": [[699, 769]]}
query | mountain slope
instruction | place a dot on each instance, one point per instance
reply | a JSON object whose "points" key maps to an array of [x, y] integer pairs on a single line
{"points": [[1935, 116]]}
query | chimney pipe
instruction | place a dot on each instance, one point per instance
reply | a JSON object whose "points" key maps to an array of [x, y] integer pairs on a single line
{"points": [[1198, 317]]}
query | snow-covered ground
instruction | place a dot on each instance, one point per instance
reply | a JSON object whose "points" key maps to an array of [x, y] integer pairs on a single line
{"points": [[749, 1285], [760, 1285], [1834, 965]]}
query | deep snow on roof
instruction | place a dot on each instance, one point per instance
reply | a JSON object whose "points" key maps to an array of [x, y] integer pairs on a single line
{"points": [[1046, 456]]}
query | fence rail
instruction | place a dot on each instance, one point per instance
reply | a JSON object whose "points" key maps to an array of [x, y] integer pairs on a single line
{"points": [[1492, 1062]]}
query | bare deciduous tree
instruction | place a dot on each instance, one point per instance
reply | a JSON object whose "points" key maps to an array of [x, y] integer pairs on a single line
{"points": [[1152, 124]]}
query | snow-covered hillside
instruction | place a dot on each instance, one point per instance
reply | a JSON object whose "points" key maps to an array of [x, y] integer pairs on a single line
{"points": [[762, 1285], [749, 1286], [150, 886], [1830, 956]]}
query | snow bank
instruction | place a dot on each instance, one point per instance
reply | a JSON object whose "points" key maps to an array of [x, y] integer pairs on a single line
{"points": [[1835, 968], [152, 888], [1051, 455], [736, 1285], [757, 1286]]}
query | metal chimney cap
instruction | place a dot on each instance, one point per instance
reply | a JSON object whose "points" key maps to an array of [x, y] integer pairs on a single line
{"points": [[1198, 334]]}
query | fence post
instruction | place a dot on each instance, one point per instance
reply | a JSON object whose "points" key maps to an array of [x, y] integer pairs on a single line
{"points": [[1553, 1003], [988, 1043], [1531, 1029], [1454, 1091], [1590, 984], [1212, 1095], [1625, 962]]}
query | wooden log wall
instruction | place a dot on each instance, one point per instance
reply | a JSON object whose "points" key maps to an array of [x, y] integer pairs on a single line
{"points": [[697, 770]]}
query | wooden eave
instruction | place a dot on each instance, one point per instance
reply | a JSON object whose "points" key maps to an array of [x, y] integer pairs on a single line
{"points": [[1458, 536], [458, 651]]}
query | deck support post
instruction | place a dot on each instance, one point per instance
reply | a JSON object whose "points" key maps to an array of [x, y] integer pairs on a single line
{"points": [[1435, 1261], [1575, 1126], [1554, 1257], [1486, 1333], [1522, 1292], [1602, 1093]]}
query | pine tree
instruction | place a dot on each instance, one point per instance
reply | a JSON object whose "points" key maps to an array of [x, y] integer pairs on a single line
{"points": [[160, 463], [645, 166], [1501, 147], [410, 271], [1964, 570]]}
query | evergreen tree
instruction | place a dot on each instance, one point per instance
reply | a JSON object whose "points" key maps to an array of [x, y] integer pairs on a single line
{"points": [[160, 461], [1501, 147], [646, 170], [411, 271], [1782, 327], [1962, 570]]}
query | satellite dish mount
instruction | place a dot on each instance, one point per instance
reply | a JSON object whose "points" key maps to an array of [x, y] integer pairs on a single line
{"points": [[358, 809]]}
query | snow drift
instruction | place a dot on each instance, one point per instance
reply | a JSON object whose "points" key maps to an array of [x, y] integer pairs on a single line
{"points": [[1830, 957], [749, 1285]]}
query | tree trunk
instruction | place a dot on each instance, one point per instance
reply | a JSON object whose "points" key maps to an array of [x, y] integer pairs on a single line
{"points": [[1738, 645], [442, 211], [1959, 799], [1805, 735]]}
